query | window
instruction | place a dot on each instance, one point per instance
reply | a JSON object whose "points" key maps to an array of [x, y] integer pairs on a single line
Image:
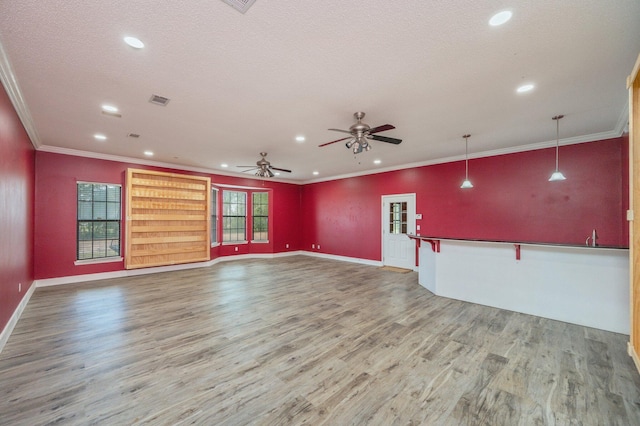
{"points": [[234, 216], [98, 232], [260, 217], [398, 218], [214, 216]]}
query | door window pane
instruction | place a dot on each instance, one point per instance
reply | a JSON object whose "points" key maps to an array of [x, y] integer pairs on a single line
{"points": [[398, 218]]}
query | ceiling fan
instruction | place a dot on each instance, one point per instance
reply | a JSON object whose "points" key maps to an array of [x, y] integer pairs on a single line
{"points": [[362, 134], [264, 168]]}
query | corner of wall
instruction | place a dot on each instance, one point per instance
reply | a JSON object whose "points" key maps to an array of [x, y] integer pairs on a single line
{"points": [[6, 332]]}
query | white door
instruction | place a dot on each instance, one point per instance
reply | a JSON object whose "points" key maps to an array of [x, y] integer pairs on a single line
{"points": [[398, 220]]}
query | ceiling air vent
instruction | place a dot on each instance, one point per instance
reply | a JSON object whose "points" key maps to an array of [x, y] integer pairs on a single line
{"points": [[159, 100], [133, 135], [240, 5]]}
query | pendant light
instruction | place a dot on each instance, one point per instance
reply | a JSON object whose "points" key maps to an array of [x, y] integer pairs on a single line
{"points": [[467, 183], [557, 175]]}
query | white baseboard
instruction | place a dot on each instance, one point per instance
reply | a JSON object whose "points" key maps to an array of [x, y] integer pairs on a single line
{"points": [[143, 271], [6, 332], [343, 258], [4, 335], [633, 355]]}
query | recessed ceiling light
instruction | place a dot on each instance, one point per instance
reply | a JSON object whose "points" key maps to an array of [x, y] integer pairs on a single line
{"points": [[100, 137], [525, 88], [377, 161], [148, 153], [109, 108], [276, 173], [316, 173], [134, 42], [500, 18], [224, 165], [300, 138]]}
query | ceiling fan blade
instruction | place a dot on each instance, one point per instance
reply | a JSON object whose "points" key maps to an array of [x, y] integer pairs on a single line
{"points": [[385, 139], [329, 143], [381, 128], [280, 170], [340, 130]]}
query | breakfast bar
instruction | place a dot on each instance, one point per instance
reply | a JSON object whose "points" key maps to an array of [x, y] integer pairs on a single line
{"points": [[583, 285]]}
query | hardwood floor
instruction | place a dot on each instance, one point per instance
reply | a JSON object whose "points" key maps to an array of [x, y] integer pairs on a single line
{"points": [[301, 340]]}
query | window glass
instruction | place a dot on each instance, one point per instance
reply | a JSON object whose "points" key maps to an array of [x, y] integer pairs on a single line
{"points": [[214, 215], [98, 220], [398, 218], [234, 220], [260, 217]]}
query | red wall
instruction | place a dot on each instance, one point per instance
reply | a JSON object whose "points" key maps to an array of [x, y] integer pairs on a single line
{"points": [[511, 200], [16, 210], [625, 189], [55, 213]]}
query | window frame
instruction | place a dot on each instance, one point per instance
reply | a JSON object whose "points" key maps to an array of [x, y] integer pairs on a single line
{"points": [[254, 216], [93, 221], [225, 216], [215, 217]]}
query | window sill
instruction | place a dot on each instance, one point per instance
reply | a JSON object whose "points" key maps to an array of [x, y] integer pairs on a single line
{"points": [[235, 243], [260, 242], [101, 260], [215, 245]]}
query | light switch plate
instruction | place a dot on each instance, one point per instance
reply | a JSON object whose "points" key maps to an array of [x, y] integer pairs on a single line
{"points": [[418, 215]]}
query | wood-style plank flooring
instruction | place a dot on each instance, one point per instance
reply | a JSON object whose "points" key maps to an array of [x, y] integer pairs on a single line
{"points": [[302, 340]]}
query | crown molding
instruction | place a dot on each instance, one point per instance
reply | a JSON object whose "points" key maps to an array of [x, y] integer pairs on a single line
{"points": [[141, 161], [10, 83], [594, 137], [491, 153], [623, 120]]}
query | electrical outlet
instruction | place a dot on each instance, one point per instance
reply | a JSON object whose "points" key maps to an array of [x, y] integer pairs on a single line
{"points": [[236, 248], [286, 246], [313, 246], [318, 246], [19, 287]]}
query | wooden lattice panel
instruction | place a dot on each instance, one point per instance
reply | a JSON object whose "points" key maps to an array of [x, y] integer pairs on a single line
{"points": [[167, 219]]}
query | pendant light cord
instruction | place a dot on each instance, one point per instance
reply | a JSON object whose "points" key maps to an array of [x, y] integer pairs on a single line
{"points": [[557, 118], [466, 156]]}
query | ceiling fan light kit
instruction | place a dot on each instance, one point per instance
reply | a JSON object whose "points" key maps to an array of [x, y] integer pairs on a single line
{"points": [[361, 135], [264, 168]]}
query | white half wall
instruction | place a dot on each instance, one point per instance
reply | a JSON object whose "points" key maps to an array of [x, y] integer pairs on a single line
{"points": [[582, 285]]}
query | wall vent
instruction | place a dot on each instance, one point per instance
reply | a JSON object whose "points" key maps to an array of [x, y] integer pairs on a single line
{"points": [[240, 5], [159, 100], [133, 135]]}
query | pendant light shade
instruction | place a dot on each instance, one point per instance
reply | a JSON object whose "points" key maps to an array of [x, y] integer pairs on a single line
{"points": [[466, 183], [557, 175]]}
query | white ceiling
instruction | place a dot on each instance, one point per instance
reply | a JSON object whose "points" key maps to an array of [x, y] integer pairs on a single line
{"points": [[244, 83]]}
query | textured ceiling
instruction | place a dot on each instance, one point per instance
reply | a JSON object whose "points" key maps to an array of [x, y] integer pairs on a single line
{"points": [[244, 83]]}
